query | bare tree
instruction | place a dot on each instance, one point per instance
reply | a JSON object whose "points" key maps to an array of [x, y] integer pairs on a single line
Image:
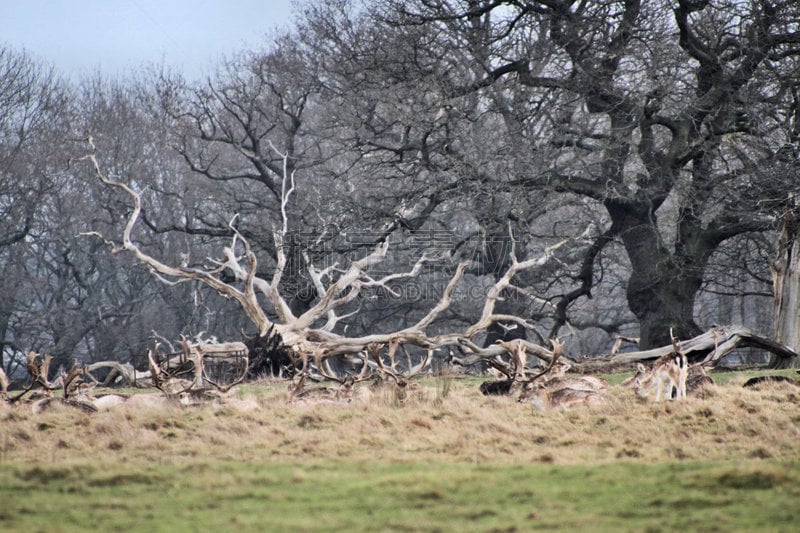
{"points": [[657, 113], [34, 108]]}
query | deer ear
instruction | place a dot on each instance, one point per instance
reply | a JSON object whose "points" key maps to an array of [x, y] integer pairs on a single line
{"points": [[640, 367]]}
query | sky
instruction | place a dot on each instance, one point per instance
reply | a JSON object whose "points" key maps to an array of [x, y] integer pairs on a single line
{"points": [[113, 37]]}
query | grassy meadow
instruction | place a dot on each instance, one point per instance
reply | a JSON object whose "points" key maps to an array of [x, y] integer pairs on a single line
{"points": [[447, 459]]}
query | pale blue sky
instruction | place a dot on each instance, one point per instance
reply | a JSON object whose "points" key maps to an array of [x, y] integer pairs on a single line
{"points": [[81, 37]]}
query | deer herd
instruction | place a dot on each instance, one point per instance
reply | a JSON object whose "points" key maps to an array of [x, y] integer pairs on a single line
{"points": [[671, 377]]}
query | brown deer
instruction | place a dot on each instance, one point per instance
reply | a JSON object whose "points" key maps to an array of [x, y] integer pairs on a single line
{"points": [[402, 381], [556, 391], [667, 373], [545, 399]]}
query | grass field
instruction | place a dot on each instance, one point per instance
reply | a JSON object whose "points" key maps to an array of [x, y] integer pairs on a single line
{"points": [[447, 460]]}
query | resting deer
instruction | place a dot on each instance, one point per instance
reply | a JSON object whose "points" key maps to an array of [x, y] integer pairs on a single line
{"points": [[668, 372], [402, 381], [697, 381], [556, 391], [545, 399], [517, 377], [345, 392]]}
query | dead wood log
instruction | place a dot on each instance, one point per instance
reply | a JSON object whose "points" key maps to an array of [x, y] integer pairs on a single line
{"points": [[134, 378], [269, 356], [711, 346]]}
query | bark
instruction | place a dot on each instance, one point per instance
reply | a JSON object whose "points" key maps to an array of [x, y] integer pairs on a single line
{"points": [[786, 278], [663, 283]]}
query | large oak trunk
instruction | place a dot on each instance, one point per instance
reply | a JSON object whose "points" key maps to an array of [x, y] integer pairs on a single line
{"points": [[663, 283]]}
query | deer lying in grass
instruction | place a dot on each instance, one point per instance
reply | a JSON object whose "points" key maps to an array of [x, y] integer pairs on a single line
{"points": [[668, 373], [548, 399], [390, 378], [345, 392], [769, 380], [697, 381], [557, 391], [516, 375]]}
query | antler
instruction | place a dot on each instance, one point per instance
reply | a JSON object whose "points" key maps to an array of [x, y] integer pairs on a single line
{"points": [[71, 380], [417, 370], [402, 380], [558, 351], [363, 374], [675, 346], [225, 388], [162, 383], [38, 373], [296, 389], [518, 355]]}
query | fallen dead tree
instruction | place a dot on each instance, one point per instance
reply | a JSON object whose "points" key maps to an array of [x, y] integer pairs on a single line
{"points": [[197, 357], [124, 372], [709, 347], [309, 338]]}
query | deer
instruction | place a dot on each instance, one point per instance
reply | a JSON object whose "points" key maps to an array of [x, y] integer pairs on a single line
{"points": [[388, 373], [76, 393], [517, 378], [556, 391], [344, 392], [667, 373], [171, 385], [548, 399], [697, 380]]}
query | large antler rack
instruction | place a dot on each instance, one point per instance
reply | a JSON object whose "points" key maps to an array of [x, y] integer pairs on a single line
{"points": [[38, 372], [170, 384], [402, 379]]}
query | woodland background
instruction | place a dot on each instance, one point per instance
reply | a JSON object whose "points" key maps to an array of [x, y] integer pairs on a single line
{"points": [[661, 137]]}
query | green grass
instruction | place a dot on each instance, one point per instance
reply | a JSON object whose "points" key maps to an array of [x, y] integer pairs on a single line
{"points": [[347, 496]]}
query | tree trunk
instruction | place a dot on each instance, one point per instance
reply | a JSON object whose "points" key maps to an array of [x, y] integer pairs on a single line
{"points": [[786, 278], [664, 306], [663, 284]]}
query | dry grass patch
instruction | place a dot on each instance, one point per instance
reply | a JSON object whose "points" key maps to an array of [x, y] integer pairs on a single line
{"points": [[464, 426]]}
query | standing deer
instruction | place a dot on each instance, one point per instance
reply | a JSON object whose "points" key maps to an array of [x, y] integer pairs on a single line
{"points": [[668, 372]]}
